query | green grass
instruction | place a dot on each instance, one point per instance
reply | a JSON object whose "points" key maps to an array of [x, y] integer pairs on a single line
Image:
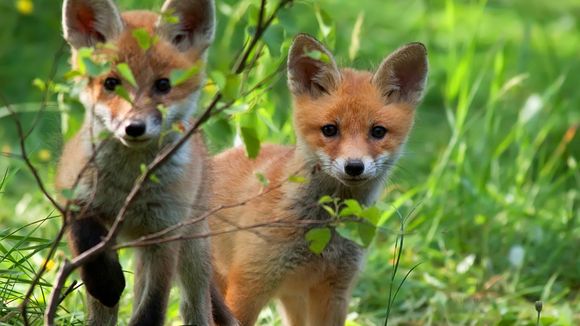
{"points": [[490, 179]]}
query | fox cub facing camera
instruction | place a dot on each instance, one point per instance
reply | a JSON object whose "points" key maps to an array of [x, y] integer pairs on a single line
{"points": [[113, 165], [350, 128]]}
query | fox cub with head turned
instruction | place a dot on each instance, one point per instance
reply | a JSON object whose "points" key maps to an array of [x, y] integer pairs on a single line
{"points": [[106, 169], [350, 128]]}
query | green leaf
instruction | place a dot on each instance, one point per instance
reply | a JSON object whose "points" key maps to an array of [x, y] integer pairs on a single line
{"points": [[372, 214], [297, 179], [169, 17], [273, 37], [180, 76], [366, 232], [251, 141], [123, 93], [68, 194], [318, 239], [154, 179], [94, 69], [144, 39], [219, 79], [318, 56], [40, 84], [143, 168], [350, 230], [329, 210], [326, 26], [232, 87], [262, 178], [353, 208], [126, 73], [325, 200], [220, 133]]}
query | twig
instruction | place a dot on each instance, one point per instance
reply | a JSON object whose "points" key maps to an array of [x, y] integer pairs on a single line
{"points": [[260, 29]]}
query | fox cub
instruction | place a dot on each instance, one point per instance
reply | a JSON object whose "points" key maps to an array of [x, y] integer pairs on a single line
{"points": [[350, 128], [113, 165]]}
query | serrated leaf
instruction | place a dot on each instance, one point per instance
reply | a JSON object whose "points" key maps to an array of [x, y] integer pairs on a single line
{"points": [[123, 93], [262, 178], [251, 141], [297, 179], [318, 239], [325, 200], [126, 73], [180, 76]]}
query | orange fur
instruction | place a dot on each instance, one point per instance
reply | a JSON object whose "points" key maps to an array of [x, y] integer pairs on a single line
{"points": [[273, 261]]}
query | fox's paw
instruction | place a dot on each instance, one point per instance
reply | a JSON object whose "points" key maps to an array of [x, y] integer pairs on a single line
{"points": [[104, 279]]}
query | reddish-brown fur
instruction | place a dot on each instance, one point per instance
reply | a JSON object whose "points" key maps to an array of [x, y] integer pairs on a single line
{"points": [[273, 261]]}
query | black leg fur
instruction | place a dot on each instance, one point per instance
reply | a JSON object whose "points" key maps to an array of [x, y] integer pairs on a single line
{"points": [[102, 275], [221, 314]]}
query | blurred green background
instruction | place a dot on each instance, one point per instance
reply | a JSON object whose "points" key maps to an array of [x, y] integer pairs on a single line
{"points": [[489, 181]]}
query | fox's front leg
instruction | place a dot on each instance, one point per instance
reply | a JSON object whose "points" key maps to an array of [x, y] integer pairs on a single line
{"points": [[194, 273], [153, 275], [102, 274]]}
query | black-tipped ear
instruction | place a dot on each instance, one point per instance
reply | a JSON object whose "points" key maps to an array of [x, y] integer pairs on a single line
{"points": [[88, 22], [403, 74], [311, 68], [188, 23]]}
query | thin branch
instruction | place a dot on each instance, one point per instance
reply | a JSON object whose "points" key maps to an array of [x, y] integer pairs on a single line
{"points": [[260, 29], [46, 94]]}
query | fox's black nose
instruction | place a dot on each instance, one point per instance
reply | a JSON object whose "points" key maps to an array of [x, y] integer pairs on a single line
{"points": [[135, 129], [354, 168]]}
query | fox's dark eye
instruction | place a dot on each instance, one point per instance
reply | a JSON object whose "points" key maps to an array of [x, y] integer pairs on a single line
{"points": [[162, 86], [111, 83], [378, 132], [329, 130]]}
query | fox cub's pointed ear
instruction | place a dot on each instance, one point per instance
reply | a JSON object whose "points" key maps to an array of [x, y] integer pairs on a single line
{"points": [[311, 68], [88, 22], [188, 23], [403, 74]]}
